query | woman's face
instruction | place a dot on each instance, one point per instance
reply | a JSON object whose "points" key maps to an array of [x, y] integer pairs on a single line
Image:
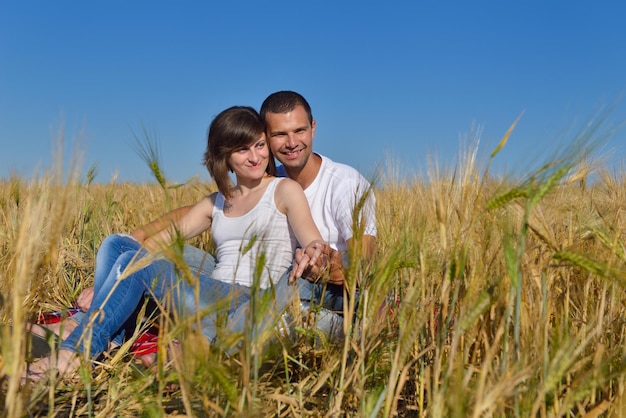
{"points": [[250, 162]]}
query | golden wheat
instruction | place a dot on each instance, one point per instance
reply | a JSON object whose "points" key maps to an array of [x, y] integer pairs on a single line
{"points": [[487, 297]]}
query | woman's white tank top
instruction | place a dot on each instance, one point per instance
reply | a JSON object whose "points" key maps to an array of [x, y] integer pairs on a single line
{"points": [[261, 239]]}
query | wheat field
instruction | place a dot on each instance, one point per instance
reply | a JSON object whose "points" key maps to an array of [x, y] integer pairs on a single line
{"points": [[488, 296]]}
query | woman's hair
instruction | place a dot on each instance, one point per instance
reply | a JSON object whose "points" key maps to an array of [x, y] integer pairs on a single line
{"points": [[233, 128]]}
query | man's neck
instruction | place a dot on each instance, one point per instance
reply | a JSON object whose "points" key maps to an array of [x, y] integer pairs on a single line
{"points": [[307, 174]]}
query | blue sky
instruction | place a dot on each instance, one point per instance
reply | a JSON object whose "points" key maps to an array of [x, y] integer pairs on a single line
{"points": [[388, 81]]}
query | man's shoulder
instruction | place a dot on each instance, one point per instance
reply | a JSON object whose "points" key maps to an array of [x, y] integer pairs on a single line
{"points": [[340, 171]]}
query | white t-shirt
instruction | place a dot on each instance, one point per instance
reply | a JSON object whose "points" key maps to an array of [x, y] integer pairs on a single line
{"points": [[332, 197], [264, 229]]}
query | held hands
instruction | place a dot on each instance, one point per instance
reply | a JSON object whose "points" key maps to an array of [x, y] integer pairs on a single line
{"points": [[318, 262], [306, 258]]}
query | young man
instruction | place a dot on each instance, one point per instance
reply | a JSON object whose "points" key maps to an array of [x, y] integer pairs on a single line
{"points": [[332, 189]]}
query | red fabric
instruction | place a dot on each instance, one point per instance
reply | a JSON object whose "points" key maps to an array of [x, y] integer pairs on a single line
{"points": [[146, 343], [54, 317]]}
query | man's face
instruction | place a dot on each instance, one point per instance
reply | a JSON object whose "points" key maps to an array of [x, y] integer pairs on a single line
{"points": [[291, 137]]}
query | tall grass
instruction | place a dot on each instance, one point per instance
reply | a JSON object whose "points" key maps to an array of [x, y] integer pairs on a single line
{"points": [[487, 297]]}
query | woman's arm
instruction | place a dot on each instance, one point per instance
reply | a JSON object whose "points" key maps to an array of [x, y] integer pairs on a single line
{"points": [[165, 221], [291, 201], [195, 220]]}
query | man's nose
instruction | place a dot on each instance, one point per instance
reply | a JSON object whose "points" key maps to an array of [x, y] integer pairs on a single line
{"points": [[291, 141]]}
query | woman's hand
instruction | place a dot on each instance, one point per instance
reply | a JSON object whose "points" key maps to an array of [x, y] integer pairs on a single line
{"points": [[317, 263], [84, 299], [306, 258]]}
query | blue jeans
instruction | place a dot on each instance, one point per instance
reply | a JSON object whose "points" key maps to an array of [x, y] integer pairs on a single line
{"points": [[328, 296], [115, 298], [199, 261], [211, 292]]}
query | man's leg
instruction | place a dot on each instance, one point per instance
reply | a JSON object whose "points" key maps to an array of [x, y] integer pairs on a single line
{"points": [[321, 305]]}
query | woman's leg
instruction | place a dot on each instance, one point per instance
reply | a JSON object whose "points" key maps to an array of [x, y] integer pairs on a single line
{"points": [[202, 302], [280, 295], [116, 300], [199, 261], [110, 249]]}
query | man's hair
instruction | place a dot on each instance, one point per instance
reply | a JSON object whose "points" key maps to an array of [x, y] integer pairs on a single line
{"points": [[232, 129], [284, 102]]}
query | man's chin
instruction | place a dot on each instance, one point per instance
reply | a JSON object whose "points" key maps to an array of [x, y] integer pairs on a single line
{"points": [[291, 166]]}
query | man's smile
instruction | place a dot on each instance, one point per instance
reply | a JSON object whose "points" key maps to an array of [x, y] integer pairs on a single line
{"points": [[291, 153]]}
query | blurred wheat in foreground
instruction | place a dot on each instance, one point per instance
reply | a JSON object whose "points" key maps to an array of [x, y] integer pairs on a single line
{"points": [[488, 297]]}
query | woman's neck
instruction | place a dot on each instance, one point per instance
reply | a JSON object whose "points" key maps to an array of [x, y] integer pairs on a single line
{"points": [[247, 186]]}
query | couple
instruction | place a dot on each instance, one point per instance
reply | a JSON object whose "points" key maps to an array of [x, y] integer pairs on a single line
{"points": [[266, 213]]}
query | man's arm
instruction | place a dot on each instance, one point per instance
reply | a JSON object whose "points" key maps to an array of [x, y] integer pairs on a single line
{"points": [[146, 231], [368, 246]]}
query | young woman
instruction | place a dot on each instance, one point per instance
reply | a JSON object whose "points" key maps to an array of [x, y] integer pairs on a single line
{"points": [[259, 217]]}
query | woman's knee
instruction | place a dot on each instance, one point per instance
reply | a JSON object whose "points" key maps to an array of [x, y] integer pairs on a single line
{"points": [[114, 245]]}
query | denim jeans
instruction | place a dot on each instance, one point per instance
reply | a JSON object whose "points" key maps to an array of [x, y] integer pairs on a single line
{"points": [[116, 245], [211, 292], [115, 299], [328, 298]]}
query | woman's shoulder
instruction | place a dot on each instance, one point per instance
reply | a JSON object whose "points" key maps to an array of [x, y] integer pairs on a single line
{"points": [[287, 185], [210, 200], [287, 191]]}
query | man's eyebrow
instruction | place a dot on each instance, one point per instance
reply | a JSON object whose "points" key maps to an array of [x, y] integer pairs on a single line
{"points": [[296, 129]]}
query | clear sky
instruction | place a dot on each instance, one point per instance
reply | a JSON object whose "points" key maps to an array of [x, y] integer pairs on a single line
{"points": [[402, 81]]}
